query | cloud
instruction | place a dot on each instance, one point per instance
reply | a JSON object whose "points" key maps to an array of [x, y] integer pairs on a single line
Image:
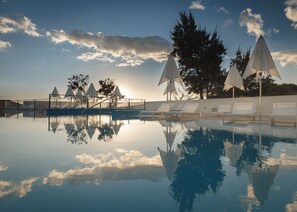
{"points": [[223, 10], [252, 22], [197, 5], [10, 188], [117, 165], [272, 31], [286, 57], [291, 12], [15, 24], [228, 22], [122, 50], [3, 167]]}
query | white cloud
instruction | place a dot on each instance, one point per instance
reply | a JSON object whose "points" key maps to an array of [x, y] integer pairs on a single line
{"points": [[122, 50], [252, 22], [272, 31], [15, 24], [66, 50], [197, 5], [223, 10], [3, 167], [291, 12], [286, 57], [10, 188], [228, 22]]}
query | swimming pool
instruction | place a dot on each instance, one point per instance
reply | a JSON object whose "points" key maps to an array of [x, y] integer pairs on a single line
{"points": [[94, 163]]}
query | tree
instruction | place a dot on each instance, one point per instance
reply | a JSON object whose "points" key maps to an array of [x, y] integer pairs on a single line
{"points": [[199, 54], [107, 86], [79, 82]]}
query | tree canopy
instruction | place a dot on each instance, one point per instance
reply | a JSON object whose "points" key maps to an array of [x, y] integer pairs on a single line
{"points": [[199, 54], [79, 81], [107, 86]]}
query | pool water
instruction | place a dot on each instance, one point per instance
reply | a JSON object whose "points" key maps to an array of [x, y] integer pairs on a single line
{"points": [[94, 163]]}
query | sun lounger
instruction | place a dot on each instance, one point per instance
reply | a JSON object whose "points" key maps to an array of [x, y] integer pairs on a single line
{"points": [[189, 109], [283, 111], [242, 110], [161, 110], [222, 109]]}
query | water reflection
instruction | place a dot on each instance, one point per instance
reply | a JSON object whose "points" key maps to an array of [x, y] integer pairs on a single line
{"points": [[199, 169], [169, 157], [118, 165], [8, 188], [247, 167], [81, 129]]}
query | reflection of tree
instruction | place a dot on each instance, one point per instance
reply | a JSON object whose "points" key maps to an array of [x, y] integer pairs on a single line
{"points": [[199, 169], [105, 132], [78, 135], [253, 150]]}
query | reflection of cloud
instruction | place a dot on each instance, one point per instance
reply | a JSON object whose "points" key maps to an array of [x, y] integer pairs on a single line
{"points": [[292, 206], [286, 57], [14, 24], [249, 200], [3, 167], [284, 160], [291, 12], [125, 51], [252, 22], [118, 165], [9, 188], [4, 44], [197, 5]]}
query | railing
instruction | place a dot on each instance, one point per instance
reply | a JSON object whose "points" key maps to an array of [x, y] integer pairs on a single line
{"points": [[88, 102]]}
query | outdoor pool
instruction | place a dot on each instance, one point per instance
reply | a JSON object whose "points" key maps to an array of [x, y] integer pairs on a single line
{"points": [[94, 163]]}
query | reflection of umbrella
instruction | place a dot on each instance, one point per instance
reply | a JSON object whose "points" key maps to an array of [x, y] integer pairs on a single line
{"points": [[170, 161], [170, 75], [91, 131], [233, 151], [233, 80], [261, 176], [260, 63], [170, 157]]}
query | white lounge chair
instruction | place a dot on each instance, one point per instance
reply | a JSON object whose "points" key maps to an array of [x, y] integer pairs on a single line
{"points": [[242, 110], [283, 111], [222, 109], [189, 109], [161, 110]]}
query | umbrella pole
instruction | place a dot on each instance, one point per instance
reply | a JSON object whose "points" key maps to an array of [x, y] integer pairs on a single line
{"points": [[233, 92], [260, 99]]}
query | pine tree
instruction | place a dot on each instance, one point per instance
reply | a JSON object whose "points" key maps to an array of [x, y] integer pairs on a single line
{"points": [[199, 54]]}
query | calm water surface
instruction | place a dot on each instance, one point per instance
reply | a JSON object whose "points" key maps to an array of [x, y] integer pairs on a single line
{"points": [[95, 163]]}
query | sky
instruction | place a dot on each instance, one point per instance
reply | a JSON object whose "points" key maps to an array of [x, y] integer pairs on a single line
{"points": [[45, 42]]}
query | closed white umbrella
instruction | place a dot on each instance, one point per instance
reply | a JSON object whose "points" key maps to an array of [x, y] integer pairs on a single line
{"points": [[261, 63], [170, 75], [233, 80], [79, 95], [55, 93], [117, 93], [69, 93], [91, 92]]}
